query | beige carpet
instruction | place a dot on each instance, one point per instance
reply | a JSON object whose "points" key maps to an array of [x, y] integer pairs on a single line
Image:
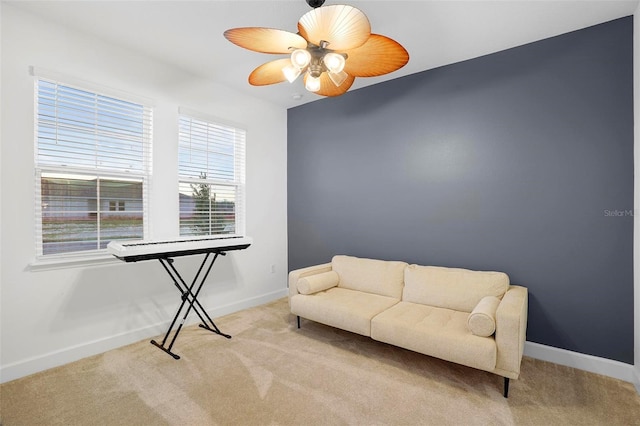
{"points": [[271, 373]]}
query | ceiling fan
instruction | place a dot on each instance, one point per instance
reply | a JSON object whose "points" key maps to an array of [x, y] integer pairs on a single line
{"points": [[333, 46]]}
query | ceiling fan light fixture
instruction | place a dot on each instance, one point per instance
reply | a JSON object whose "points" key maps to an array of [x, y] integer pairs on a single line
{"points": [[312, 84], [334, 62], [338, 77], [300, 58], [291, 72]]}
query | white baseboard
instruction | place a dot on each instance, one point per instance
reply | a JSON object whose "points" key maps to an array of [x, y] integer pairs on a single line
{"points": [[33, 365], [593, 364]]}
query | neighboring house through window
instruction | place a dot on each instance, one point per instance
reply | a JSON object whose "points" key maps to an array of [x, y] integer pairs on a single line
{"points": [[92, 168], [211, 168]]}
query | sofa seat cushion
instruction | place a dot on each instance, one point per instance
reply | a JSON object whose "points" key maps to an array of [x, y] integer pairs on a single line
{"points": [[383, 277], [437, 332], [342, 308]]}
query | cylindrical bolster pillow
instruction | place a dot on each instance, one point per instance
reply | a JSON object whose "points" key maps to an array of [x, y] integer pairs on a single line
{"points": [[318, 282], [482, 320]]}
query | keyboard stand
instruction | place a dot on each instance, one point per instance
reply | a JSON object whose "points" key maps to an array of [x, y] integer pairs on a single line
{"points": [[190, 299]]}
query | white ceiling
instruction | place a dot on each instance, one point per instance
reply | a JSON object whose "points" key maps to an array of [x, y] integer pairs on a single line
{"points": [[188, 34]]}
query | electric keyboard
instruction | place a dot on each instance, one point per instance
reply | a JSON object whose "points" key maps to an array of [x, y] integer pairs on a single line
{"points": [[136, 250]]}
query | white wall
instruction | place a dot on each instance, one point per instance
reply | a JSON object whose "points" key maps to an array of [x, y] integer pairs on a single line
{"points": [[53, 316], [636, 107]]}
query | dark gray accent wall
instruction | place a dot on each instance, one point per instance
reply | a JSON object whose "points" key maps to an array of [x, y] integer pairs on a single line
{"points": [[520, 161]]}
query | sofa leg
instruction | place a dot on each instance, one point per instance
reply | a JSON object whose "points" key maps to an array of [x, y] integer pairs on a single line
{"points": [[298, 321], [506, 387]]}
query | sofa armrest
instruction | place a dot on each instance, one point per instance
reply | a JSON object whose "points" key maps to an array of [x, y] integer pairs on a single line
{"points": [[295, 275], [511, 328]]}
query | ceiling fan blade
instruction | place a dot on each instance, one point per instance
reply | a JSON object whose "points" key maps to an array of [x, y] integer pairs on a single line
{"points": [[378, 56], [344, 27], [265, 40], [328, 88], [269, 73]]}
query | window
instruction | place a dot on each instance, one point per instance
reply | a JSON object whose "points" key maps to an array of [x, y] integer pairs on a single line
{"points": [[211, 168], [92, 168], [116, 206]]}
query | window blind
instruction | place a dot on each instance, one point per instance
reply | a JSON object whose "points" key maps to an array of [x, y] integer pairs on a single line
{"points": [[86, 130], [211, 168], [92, 163]]}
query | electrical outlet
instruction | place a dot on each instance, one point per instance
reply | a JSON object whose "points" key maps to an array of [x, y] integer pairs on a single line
{"points": [[273, 269]]}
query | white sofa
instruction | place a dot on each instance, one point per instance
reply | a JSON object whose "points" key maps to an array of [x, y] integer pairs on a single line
{"points": [[473, 318]]}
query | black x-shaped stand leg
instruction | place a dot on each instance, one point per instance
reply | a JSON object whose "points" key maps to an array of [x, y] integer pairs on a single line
{"points": [[190, 299]]}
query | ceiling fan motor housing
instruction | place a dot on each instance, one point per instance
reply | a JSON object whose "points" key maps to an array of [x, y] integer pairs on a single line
{"points": [[317, 65], [315, 3]]}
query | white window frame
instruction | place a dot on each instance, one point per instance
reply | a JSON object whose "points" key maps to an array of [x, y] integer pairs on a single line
{"points": [[143, 175], [238, 182]]}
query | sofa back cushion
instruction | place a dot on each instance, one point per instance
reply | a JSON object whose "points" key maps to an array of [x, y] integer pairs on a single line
{"points": [[381, 277], [451, 288]]}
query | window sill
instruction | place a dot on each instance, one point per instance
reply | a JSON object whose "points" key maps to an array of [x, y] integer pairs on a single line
{"points": [[66, 262]]}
